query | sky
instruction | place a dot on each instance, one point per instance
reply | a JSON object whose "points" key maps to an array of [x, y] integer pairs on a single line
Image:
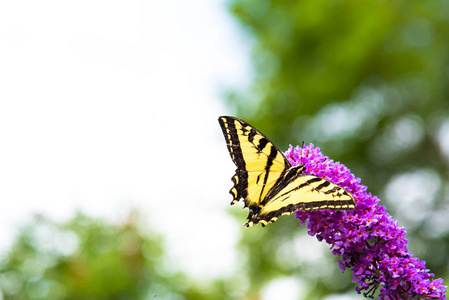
{"points": [[108, 106]]}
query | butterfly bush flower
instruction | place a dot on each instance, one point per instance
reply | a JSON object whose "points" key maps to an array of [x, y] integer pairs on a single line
{"points": [[369, 241]]}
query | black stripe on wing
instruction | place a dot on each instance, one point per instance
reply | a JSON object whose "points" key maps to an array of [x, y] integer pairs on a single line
{"points": [[240, 178], [305, 206]]}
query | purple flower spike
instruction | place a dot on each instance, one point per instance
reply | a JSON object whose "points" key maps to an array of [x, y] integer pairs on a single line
{"points": [[371, 243]]}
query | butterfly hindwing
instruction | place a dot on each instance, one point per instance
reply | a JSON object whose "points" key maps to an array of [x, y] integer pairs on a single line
{"points": [[304, 192], [269, 186]]}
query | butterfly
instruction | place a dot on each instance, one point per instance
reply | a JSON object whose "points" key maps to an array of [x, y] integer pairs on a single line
{"points": [[268, 184]]}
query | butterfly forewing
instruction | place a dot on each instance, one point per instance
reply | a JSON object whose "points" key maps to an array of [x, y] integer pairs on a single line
{"points": [[259, 163]]}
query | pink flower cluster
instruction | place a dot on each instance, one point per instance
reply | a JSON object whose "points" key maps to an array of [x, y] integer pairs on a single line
{"points": [[369, 241]]}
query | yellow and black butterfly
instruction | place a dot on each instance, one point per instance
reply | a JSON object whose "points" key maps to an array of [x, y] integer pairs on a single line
{"points": [[268, 184]]}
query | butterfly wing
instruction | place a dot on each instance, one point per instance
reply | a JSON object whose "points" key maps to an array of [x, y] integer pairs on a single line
{"points": [[302, 192], [259, 162]]}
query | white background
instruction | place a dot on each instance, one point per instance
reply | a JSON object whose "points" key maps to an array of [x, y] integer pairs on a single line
{"points": [[108, 106]]}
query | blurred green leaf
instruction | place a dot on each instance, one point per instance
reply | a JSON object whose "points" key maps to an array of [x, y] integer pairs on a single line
{"points": [[89, 258], [367, 82]]}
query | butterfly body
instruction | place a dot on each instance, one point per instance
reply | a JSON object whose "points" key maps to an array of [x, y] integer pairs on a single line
{"points": [[266, 181]]}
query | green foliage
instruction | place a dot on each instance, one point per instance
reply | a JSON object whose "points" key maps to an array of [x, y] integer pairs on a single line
{"points": [[91, 259], [368, 82]]}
